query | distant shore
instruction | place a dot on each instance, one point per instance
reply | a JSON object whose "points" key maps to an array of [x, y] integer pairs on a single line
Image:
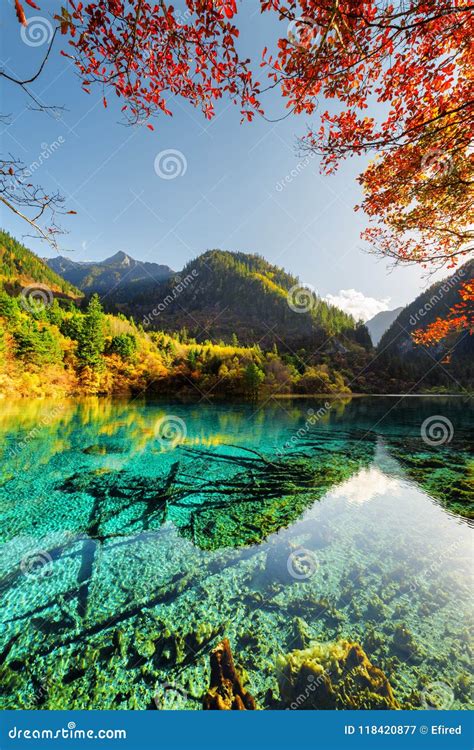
{"points": [[292, 396], [191, 399]]}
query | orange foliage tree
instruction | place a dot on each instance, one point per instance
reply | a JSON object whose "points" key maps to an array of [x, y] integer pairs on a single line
{"points": [[460, 317]]}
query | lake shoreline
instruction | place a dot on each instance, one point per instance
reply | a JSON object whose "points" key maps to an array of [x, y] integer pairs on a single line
{"points": [[188, 399]]}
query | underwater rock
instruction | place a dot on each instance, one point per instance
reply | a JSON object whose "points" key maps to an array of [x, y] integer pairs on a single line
{"points": [[225, 690], [463, 687], [154, 640], [144, 647], [11, 686], [319, 608], [445, 475], [177, 648], [95, 450], [373, 640], [300, 636], [333, 675], [376, 609], [405, 643]]}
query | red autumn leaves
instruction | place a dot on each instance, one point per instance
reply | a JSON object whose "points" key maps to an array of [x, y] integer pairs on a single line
{"points": [[410, 65], [150, 54], [20, 12]]}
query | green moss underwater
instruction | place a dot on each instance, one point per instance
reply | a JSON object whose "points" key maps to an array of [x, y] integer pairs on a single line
{"points": [[329, 543]]}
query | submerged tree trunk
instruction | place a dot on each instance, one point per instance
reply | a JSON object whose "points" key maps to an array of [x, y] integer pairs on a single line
{"points": [[225, 691]]}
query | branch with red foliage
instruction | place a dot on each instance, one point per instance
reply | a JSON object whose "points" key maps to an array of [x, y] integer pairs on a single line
{"points": [[147, 54], [460, 317], [410, 62]]}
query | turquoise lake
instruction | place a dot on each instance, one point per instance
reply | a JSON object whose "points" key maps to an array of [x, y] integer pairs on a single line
{"points": [[137, 535]]}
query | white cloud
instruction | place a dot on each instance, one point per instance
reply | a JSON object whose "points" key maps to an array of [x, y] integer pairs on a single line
{"points": [[365, 486], [357, 304]]}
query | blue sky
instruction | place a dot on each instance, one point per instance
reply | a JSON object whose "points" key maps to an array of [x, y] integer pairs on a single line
{"points": [[242, 187]]}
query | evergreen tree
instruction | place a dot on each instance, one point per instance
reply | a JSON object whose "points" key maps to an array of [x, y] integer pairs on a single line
{"points": [[123, 344], [54, 314], [91, 339], [9, 307], [193, 356], [362, 335], [253, 378], [36, 345]]}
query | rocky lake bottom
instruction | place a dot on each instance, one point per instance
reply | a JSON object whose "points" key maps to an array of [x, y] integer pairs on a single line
{"points": [[329, 541]]}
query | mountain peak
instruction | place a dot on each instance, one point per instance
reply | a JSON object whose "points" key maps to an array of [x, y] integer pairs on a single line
{"points": [[119, 258], [104, 275], [381, 322]]}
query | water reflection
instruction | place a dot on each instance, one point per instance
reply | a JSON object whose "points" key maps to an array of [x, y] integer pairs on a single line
{"points": [[125, 558]]}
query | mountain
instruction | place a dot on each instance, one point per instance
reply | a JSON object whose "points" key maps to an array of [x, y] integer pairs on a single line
{"points": [[51, 346], [220, 294], [449, 363], [217, 295], [119, 272], [230, 324], [20, 268], [381, 323]]}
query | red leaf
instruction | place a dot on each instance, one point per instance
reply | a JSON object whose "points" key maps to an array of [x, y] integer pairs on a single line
{"points": [[20, 13]]}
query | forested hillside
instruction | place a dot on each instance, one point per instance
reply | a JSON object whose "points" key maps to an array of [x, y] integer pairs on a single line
{"points": [[231, 325], [59, 349], [19, 267], [51, 346], [222, 294], [447, 364]]}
